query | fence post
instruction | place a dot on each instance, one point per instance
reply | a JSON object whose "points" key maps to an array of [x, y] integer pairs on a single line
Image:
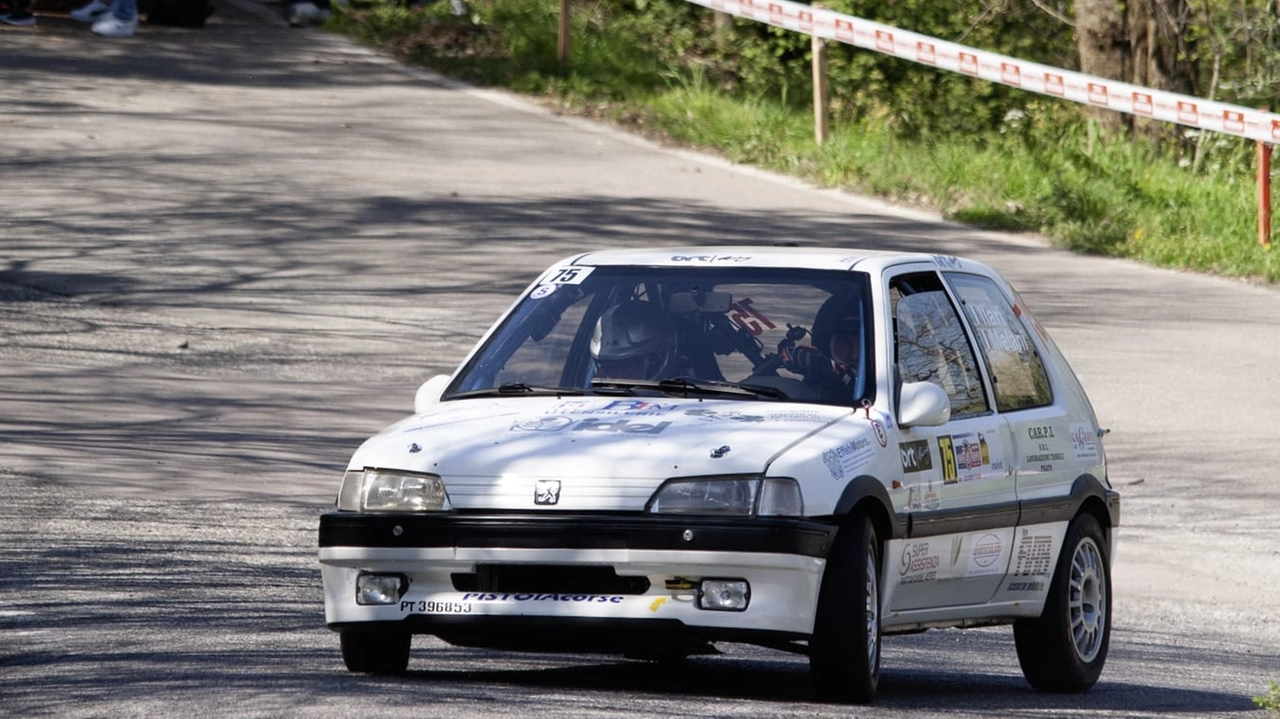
{"points": [[820, 125], [1264, 195], [563, 44]]}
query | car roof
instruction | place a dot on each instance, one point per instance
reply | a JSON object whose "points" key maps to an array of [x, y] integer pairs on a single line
{"points": [[817, 258]]}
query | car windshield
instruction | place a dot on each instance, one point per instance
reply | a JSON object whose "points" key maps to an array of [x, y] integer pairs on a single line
{"points": [[768, 334]]}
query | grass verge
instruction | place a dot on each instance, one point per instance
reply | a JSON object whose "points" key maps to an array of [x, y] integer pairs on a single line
{"points": [[1044, 169]]}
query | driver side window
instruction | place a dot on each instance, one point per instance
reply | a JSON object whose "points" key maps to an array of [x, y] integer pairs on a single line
{"points": [[931, 345]]}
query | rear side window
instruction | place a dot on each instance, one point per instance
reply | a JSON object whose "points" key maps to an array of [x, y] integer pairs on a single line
{"points": [[1018, 376]]}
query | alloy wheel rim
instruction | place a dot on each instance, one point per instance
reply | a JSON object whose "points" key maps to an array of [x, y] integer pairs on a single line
{"points": [[1087, 600]]}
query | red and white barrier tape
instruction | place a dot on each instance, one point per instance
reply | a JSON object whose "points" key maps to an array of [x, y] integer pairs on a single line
{"points": [[1030, 76]]}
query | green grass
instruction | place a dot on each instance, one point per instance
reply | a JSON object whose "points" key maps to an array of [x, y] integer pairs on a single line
{"points": [[1269, 702], [1047, 170]]}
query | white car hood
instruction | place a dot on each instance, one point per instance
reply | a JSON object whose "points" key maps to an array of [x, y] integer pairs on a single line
{"points": [[595, 453]]}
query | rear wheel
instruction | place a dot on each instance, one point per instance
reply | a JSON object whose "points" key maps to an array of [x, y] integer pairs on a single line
{"points": [[1064, 649], [375, 652], [844, 652]]}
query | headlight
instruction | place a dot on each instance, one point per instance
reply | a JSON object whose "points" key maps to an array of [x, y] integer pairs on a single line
{"points": [[737, 496], [380, 490]]}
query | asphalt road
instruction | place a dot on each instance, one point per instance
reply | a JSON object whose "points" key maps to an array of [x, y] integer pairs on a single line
{"points": [[228, 255]]}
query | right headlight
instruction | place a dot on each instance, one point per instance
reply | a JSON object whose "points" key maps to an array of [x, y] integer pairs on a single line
{"points": [[383, 490], [732, 495]]}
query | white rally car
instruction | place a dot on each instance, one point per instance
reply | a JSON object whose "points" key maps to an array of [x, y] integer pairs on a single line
{"points": [[803, 449]]}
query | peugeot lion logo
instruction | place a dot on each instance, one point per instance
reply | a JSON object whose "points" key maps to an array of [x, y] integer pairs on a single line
{"points": [[547, 491]]}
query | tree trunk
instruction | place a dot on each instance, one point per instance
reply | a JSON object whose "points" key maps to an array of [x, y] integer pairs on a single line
{"points": [[1139, 41]]}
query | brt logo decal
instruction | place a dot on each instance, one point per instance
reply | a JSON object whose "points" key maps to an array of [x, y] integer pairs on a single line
{"points": [[916, 456]]}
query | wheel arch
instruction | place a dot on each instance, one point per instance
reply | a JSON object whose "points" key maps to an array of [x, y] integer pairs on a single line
{"points": [[868, 494], [1091, 495]]}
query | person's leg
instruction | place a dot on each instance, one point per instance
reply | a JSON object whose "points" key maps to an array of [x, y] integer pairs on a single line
{"points": [[125, 10], [120, 22], [19, 13]]}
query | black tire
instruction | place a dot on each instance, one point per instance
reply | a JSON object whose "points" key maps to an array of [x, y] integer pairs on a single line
{"points": [[375, 652], [1064, 649], [844, 652]]}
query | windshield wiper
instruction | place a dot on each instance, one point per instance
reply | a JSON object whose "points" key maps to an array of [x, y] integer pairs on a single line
{"points": [[687, 386], [520, 388]]}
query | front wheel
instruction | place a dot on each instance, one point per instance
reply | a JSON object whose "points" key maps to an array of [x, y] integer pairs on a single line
{"points": [[844, 652], [375, 652], [1064, 649]]}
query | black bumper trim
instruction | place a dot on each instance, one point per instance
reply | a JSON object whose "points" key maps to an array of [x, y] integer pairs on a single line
{"points": [[774, 535], [575, 634]]}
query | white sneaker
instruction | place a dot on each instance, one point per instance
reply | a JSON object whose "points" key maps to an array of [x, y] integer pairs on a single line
{"points": [[90, 12], [112, 26]]}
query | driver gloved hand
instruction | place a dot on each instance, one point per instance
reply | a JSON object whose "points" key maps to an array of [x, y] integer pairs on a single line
{"points": [[805, 360]]}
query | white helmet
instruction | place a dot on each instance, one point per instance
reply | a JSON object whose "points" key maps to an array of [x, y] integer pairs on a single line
{"points": [[633, 340]]}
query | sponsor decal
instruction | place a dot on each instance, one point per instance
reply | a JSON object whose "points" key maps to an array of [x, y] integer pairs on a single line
{"points": [[550, 423], [881, 436], [1033, 555], [847, 459], [834, 466], [1084, 443], [985, 554], [923, 497], [970, 456], [949, 261], [653, 607], [542, 291], [619, 426], [798, 416], [616, 407], [916, 456], [1034, 585], [557, 423], [968, 63], [1188, 113], [711, 415], [1233, 121], [918, 563], [546, 491], [537, 597], [986, 550], [994, 331], [1039, 432], [711, 258]]}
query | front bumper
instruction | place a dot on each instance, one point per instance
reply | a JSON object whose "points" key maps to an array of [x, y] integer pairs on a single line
{"points": [[539, 579]]}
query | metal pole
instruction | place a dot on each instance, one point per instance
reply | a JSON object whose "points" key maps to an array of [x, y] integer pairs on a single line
{"points": [[1264, 195], [820, 122]]}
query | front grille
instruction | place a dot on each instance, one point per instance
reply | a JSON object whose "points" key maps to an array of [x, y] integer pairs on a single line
{"points": [[547, 578]]}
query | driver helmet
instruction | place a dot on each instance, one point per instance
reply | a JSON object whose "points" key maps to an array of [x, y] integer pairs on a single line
{"points": [[633, 340], [837, 330]]}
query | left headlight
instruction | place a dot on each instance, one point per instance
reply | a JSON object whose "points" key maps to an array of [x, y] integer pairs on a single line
{"points": [[381, 490], [736, 496]]}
